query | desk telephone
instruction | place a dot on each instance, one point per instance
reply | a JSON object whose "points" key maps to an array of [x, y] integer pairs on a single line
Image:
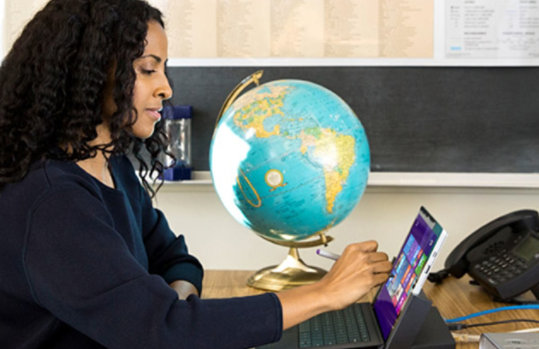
{"points": [[502, 256]]}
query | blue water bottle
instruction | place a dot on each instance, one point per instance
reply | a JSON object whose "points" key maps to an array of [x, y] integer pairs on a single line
{"points": [[177, 127]]}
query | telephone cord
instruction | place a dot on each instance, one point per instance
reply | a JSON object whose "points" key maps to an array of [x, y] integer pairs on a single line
{"points": [[489, 311]]}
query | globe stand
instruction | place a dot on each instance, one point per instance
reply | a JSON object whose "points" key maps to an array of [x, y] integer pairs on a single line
{"points": [[292, 271]]}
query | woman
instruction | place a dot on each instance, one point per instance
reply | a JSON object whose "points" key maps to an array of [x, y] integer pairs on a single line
{"points": [[86, 261]]}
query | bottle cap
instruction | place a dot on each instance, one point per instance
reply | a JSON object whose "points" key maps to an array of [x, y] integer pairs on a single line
{"points": [[177, 112]]}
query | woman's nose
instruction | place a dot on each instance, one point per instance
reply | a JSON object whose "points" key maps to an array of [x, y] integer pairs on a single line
{"points": [[164, 91]]}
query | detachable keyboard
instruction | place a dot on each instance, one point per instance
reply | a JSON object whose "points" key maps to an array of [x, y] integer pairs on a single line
{"points": [[346, 326]]}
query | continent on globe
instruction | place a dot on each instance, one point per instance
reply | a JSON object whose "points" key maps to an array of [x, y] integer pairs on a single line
{"points": [[257, 108], [335, 154]]}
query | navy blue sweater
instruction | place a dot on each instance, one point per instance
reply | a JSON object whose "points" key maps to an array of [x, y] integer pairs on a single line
{"points": [[86, 266]]}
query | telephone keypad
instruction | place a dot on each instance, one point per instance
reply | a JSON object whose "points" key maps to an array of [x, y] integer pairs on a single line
{"points": [[501, 267]]}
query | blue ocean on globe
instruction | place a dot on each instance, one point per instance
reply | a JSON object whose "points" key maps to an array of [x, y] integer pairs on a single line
{"points": [[289, 159]]}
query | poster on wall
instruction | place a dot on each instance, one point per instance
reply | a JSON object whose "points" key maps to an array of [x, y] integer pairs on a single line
{"points": [[299, 28], [492, 29]]}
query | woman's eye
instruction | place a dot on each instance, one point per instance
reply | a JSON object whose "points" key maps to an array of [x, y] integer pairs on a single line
{"points": [[147, 71]]}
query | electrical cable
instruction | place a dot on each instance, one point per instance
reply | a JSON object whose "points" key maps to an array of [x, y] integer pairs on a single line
{"points": [[438, 276], [461, 326], [512, 307]]}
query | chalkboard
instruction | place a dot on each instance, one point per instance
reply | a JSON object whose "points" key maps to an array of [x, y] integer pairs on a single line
{"points": [[417, 119]]}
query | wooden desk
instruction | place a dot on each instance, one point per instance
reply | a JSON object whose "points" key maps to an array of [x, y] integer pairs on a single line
{"points": [[456, 297]]}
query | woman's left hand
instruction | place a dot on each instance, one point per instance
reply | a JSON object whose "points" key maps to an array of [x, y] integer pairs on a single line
{"points": [[184, 289]]}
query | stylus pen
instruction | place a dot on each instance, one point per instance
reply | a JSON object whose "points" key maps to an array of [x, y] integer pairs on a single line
{"points": [[335, 256], [327, 254]]}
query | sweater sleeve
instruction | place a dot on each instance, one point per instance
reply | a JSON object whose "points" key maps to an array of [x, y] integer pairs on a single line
{"points": [[80, 269], [168, 255]]}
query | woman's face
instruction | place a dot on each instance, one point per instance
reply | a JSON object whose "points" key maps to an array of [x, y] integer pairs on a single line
{"points": [[151, 84]]}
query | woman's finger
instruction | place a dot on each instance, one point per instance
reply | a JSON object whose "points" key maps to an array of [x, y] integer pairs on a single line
{"points": [[379, 279], [382, 267], [377, 257]]}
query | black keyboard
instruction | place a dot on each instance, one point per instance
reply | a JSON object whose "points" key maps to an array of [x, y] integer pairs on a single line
{"points": [[346, 326]]}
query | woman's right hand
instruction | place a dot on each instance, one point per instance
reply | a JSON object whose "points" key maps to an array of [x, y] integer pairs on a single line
{"points": [[360, 268]]}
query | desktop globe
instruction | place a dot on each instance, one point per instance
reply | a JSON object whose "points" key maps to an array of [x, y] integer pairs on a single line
{"points": [[289, 160]]}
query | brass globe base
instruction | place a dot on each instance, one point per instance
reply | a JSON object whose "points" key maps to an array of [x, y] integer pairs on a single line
{"points": [[292, 272]]}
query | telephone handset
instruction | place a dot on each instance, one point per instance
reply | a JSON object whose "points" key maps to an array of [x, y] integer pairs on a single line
{"points": [[502, 256]]}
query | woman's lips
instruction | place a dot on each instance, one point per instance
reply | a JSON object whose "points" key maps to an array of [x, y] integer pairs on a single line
{"points": [[154, 113]]}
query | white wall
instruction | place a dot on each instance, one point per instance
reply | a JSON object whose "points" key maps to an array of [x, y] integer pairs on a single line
{"points": [[384, 213], [2, 21], [16, 14]]}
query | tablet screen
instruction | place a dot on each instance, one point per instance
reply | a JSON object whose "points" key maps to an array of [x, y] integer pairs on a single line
{"points": [[423, 239]]}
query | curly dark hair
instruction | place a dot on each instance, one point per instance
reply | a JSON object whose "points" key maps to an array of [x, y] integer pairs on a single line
{"points": [[52, 86]]}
